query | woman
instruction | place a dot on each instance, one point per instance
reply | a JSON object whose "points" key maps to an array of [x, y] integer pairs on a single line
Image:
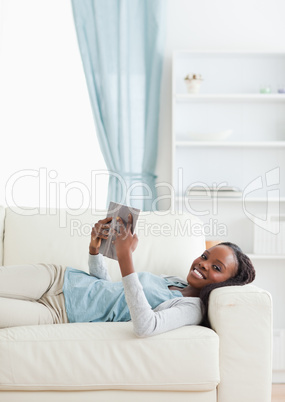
{"points": [[47, 294]]}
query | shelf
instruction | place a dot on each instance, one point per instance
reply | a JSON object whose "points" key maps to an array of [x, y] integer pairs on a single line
{"points": [[231, 199], [266, 256], [229, 97], [242, 52], [244, 144]]}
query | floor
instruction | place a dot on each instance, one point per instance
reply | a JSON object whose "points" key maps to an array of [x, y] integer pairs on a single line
{"points": [[278, 393]]}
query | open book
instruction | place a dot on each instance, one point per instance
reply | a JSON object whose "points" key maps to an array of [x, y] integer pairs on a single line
{"points": [[107, 248]]}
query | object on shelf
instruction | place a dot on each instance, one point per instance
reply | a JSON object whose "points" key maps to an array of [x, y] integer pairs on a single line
{"points": [[265, 89], [193, 83], [281, 89], [271, 238], [225, 191], [215, 136]]}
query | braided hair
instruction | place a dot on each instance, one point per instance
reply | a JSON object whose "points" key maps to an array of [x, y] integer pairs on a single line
{"points": [[245, 274]]}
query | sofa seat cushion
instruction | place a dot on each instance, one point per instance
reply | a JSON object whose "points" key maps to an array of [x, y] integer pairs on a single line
{"points": [[99, 356]]}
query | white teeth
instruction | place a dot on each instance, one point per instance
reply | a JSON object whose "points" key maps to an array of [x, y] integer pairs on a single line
{"points": [[198, 273]]}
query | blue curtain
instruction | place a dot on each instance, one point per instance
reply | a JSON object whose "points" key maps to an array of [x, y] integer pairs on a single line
{"points": [[121, 44]]}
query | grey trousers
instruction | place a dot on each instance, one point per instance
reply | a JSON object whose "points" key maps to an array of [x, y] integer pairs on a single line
{"points": [[31, 294]]}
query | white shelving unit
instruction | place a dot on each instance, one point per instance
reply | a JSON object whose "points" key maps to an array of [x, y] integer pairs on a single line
{"points": [[230, 99]]}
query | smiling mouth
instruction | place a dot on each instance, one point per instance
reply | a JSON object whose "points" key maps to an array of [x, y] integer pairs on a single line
{"points": [[198, 273]]}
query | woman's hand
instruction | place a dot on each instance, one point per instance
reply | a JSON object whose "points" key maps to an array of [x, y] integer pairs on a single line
{"points": [[125, 244], [99, 231]]}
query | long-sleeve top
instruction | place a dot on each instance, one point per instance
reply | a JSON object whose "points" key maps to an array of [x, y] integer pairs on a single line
{"points": [[143, 298]]}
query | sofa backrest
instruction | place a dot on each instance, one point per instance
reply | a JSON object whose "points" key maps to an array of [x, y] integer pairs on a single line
{"points": [[168, 242], [2, 220]]}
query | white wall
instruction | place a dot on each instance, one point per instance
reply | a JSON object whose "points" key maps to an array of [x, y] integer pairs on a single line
{"points": [[215, 25], [203, 24], [47, 130]]}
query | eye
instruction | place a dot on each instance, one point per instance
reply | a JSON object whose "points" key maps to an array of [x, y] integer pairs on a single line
{"points": [[217, 268], [204, 256]]}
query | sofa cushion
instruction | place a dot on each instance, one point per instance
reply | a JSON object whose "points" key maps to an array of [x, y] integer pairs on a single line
{"points": [[61, 238], [53, 237], [2, 220], [98, 356]]}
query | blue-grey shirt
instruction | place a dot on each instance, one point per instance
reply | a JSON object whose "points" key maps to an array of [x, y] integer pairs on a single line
{"points": [[91, 299]]}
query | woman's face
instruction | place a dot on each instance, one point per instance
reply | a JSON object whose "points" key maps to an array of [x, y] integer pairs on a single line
{"points": [[217, 264]]}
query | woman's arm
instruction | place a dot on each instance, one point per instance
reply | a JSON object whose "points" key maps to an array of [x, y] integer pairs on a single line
{"points": [[146, 322], [96, 262], [98, 268], [125, 244], [167, 316]]}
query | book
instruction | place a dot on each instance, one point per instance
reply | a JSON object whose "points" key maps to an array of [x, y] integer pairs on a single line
{"points": [[107, 248]]}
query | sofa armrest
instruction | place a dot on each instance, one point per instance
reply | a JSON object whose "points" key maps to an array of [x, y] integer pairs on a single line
{"points": [[242, 317]]}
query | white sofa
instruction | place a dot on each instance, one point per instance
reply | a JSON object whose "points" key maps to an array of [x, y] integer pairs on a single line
{"points": [[105, 361]]}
